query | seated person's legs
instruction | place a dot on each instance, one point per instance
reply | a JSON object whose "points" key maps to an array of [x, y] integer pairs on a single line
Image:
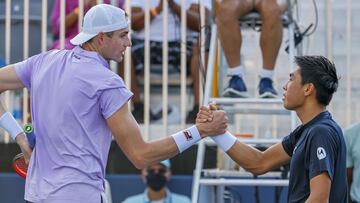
{"points": [[174, 57], [137, 67], [270, 42], [230, 36], [195, 65]]}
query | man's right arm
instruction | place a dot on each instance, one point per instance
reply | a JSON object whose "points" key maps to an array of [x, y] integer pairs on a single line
{"points": [[258, 162], [128, 137], [9, 79], [246, 156]]}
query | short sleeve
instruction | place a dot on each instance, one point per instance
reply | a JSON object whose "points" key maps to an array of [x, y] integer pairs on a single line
{"points": [[289, 142], [24, 69], [322, 151], [111, 100]]}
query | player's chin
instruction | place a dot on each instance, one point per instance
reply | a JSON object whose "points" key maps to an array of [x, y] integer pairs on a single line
{"points": [[288, 107], [119, 59]]}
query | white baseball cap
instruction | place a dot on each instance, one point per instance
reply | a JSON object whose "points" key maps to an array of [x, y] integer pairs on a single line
{"points": [[100, 18]]}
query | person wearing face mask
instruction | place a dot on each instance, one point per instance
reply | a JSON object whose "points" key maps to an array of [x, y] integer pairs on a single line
{"points": [[156, 178]]}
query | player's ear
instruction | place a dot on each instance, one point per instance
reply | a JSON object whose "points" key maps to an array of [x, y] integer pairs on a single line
{"points": [[309, 89]]}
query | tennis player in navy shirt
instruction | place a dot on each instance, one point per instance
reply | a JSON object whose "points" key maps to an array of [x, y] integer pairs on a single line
{"points": [[316, 149]]}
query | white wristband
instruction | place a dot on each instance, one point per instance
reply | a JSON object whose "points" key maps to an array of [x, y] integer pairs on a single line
{"points": [[225, 141], [186, 138], [8, 122]]}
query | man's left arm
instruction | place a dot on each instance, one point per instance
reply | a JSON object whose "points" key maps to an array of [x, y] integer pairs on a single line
{"points": [[322, 150], [319, 188]]}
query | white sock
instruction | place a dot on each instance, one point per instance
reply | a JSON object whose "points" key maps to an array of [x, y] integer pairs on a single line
{"points": [[265, 73], [237, 70]]}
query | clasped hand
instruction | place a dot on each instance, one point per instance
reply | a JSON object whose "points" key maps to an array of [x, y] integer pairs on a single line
{"points": [[211, 121]]}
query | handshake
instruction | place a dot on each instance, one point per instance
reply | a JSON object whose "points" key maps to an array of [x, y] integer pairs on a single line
{"points": [[209, 122], [213, 122]]}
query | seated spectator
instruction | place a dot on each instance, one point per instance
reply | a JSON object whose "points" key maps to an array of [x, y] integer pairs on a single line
{"points": [[155, 177], [71, 20], [270, 40], [352, 140], [156, 38]]}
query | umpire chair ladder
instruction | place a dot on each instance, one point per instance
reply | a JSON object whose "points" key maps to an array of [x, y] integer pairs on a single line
{"points": [[253, 20]]}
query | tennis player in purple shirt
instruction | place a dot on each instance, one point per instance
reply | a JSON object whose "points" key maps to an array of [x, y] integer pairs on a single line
{"points": [[77, 105]]}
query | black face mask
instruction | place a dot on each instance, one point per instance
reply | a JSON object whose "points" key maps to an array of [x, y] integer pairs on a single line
{"points": [[156, 181]]}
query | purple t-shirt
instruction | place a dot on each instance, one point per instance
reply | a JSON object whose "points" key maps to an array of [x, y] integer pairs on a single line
{"points": [[72, 93]]}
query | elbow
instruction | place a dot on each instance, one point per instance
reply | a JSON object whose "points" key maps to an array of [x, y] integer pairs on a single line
{"points": [[319, 199], [258, 168], [141, 159], [257, 171], [139, 162]]}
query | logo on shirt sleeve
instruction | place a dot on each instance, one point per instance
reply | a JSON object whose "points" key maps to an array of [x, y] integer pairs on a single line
{"points": [[321, 153]]}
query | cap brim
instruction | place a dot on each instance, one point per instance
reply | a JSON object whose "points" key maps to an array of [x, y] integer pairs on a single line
{"points": [[81, 38]]}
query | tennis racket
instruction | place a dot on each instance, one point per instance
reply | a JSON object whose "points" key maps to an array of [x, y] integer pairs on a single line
{"points": [[19, 165]]}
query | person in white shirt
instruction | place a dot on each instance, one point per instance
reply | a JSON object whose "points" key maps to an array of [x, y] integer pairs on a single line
{"points": [[174, 37]]}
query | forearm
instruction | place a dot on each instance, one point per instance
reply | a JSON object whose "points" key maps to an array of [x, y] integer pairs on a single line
{"points": [[149, 153], [158, 150], [248, 157], [143, 154]]}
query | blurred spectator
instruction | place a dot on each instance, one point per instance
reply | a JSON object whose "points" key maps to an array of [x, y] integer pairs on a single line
{"points": [[228, 17], [155, 177], [174, 44], [352, 139], [71, 20]]}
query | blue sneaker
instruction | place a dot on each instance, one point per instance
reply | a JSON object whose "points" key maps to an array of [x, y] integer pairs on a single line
{"points": [[266, 89], [236, 88]]}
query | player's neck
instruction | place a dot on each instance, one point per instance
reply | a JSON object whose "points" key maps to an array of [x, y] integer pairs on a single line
{"points": [[307, 113], [156, 195], [90, 47]]}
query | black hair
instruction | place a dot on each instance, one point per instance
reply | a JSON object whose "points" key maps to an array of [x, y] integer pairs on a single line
{"points": [[321, 72]]}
